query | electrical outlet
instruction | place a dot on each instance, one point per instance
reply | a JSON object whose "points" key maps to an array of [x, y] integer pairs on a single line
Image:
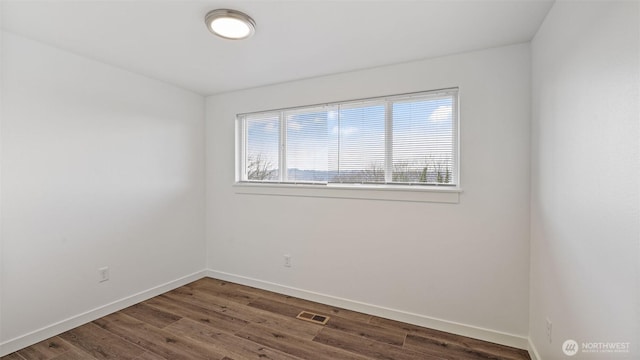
{"points": [[103, 274], [287, 260], [549, 328]]}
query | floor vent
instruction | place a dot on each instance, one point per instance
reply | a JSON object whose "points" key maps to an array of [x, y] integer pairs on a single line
{"points": [[314, 318]]}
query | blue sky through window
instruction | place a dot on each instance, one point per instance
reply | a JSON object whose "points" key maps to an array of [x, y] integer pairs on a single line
{"points": [[325, 143], [263, 141], [307, 145]]}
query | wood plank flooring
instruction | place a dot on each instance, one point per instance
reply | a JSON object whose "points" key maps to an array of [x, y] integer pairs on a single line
{"points": [[212, 319]]}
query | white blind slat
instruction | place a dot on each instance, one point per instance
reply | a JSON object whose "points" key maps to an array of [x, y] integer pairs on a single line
{"points": [[405, 139], [261, 155], [307, 145]]}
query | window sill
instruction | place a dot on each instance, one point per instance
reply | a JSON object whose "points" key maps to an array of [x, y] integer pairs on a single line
{"points": [[435, 194]]}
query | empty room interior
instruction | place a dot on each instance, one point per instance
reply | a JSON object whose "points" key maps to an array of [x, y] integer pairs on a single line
{"points": [[330, 180]]}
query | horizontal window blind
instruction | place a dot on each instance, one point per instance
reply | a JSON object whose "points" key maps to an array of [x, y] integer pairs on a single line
{"points": [[404, 139], [262, 160], [307, 145], [358, 134]]}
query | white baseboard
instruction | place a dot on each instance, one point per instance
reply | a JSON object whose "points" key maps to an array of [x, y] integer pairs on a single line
{"points": [[498, 337], [533, 352], [44, 333]]}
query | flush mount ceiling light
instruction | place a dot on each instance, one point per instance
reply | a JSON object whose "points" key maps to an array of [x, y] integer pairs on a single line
{"points": [[230, 24]]}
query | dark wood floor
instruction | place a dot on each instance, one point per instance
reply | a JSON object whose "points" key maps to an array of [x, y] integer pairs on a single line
{"points": [[213, 319]]}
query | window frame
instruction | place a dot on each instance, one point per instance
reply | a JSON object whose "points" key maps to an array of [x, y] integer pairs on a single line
{"points": [[382, 191]]}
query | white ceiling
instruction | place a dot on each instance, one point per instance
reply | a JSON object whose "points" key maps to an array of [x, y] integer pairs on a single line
{"points": [[168, 40]]}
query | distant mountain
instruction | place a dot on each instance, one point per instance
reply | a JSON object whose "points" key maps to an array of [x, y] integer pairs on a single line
{"points": [[310, 175], [365, 176]]}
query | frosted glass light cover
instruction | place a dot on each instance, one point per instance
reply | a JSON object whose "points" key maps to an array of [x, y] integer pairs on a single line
{"points": [[230, 28], [230, 24]]}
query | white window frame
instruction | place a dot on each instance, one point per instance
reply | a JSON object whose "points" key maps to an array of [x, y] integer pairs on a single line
{"points": [[440, 193]]}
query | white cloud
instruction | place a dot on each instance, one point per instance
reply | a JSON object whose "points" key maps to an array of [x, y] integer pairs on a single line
{"points": [[442, 113], [270, 127], [345, 130], [294, 125]]}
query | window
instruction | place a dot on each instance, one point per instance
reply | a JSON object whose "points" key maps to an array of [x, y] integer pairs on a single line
{"points": [[398, 140]]}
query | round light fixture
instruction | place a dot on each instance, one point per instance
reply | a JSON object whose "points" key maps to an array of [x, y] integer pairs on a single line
{"points": [[230, 24]]}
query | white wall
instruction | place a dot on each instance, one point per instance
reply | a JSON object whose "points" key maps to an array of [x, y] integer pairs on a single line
{"points": [[100, 167], [1, 115], [585, 265], [467, 263]]}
